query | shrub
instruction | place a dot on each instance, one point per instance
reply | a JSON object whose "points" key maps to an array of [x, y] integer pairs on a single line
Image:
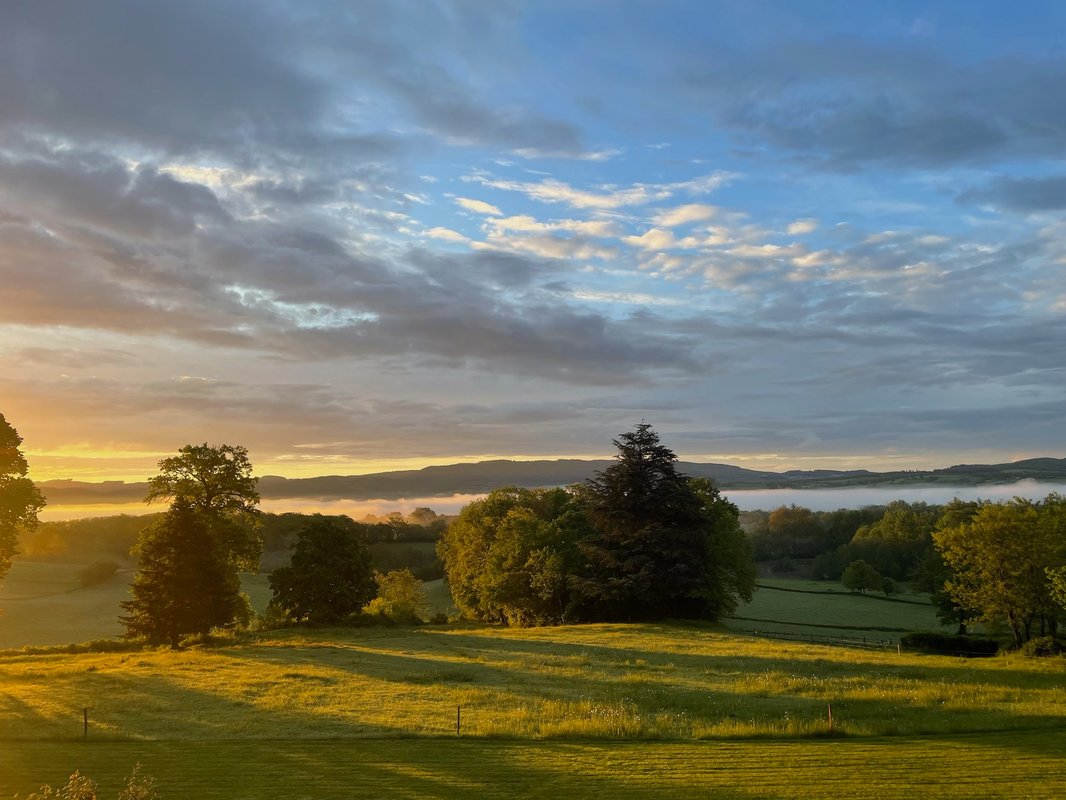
{"points": [[97, 573], [1043, 647], [79, 787], [401, 597], [926, 642], [860, 576]]}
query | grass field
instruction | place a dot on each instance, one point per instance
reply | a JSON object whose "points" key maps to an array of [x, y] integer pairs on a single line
{"points": [[826, 609], [987, 766], [42, 603], [625, 710]]}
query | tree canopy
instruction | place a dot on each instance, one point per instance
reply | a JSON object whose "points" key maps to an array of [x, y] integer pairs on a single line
{"points": [[214, 479], [329, 576], [861, 577], [188, 578], [218, 482], [639, 541], [507, 556], [1000, 560], [20, 500], [651, 553], [184, 584]]}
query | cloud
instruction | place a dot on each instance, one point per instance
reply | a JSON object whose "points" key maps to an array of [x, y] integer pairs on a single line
{"points": [[802, 226], [446, 235], [525, 223], [1027, 195], [478, 206], [685, 215], [551, 190], [652, 239], [846, 102]]}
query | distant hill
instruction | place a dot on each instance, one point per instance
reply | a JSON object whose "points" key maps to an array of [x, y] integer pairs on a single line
{"points": [[485, 476]]}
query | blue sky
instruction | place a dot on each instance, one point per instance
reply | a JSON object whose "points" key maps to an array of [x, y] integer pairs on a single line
{"points": [[355, 236]]}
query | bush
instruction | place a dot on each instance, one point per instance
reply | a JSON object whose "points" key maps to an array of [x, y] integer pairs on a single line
{"points": [[926, 642], [79, 787], [97, 573], [860, 576], [1043, 647], [401, 598]]}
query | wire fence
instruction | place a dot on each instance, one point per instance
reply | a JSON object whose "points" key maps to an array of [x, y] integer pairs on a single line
{"points": [[864, 642]]}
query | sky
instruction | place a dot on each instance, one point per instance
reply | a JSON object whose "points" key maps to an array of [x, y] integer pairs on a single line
{"points": [[356, 236]]}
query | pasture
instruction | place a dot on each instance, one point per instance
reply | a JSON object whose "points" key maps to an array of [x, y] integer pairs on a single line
{"points": [[626, 711], [825, 608], [597, 709]]}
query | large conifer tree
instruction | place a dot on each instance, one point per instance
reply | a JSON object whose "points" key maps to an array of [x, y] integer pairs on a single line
{"points": [[656, 546], [185, 584]]}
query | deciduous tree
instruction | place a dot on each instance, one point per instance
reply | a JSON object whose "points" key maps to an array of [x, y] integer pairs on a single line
{"points": [[401, 597], [329, 576], [218, 482], [1000, 560], [860, 577], [508, 556], [20, 500]]}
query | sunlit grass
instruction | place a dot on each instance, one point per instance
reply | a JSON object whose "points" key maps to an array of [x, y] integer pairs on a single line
{"points": [[624, 711], [598, 681]]}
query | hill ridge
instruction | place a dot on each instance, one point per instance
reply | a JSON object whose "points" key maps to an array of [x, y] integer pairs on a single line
{"points": [[484, 476]]}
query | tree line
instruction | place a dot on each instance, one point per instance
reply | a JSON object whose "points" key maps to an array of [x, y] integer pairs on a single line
{"points": [[639, 541], [999, 564]]}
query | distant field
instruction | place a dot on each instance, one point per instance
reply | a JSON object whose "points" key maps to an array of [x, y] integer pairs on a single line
{"points": [[42, 603], [824, 608], [545, 712]]}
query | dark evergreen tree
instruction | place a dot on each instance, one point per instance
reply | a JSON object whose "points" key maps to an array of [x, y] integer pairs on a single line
{"points": [[185, 584], [20, 499], [329, 576], [651, 555]]}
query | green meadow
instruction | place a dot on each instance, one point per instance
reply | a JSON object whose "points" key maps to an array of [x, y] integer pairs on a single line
{"points": [[594, 709], [598, 710]]}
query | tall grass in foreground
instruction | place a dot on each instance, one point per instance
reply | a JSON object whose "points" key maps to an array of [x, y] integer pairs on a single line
{"points": [[586, 682]]}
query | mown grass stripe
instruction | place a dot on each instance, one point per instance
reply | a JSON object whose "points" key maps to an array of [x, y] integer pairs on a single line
{"points": [[1018, 765]]}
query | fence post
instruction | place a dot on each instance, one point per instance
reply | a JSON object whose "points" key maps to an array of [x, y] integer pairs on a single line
{"points": [[458, 718], [830, 707]]}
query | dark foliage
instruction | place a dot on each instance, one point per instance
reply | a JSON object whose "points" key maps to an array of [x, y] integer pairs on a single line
{"points": [[951, 645], [185, 584], [652, 551], [1043, 647], [218, 482], [20, 501], [329, 577]]}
